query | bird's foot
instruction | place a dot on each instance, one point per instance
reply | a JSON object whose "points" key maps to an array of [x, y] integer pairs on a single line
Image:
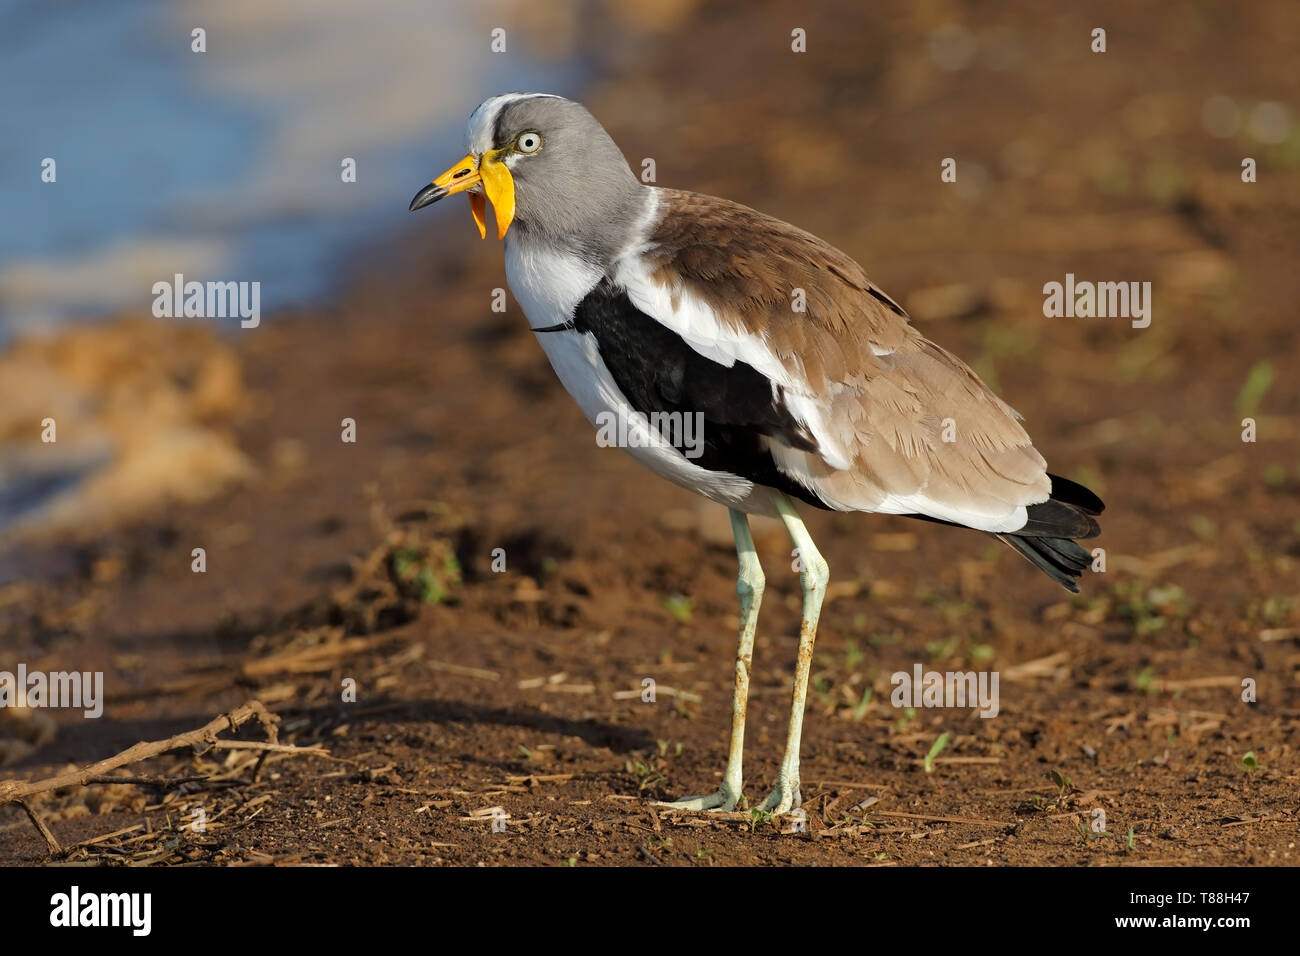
{"points": [[724, 801], [784, 797]]}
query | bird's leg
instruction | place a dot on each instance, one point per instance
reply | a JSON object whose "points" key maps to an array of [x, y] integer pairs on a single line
{"points": [[750, 588], [813, 576]]}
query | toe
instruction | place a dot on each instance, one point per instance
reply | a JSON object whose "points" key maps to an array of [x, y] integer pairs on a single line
{"points": [[720, 801]]}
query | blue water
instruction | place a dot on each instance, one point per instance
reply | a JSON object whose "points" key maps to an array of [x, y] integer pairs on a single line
{"points": [[92, 86], [225, 162]]}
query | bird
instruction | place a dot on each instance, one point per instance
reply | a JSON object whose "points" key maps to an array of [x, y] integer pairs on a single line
{"points": [[810, 386]]}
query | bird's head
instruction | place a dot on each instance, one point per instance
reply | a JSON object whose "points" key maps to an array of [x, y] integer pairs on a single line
{"points": [[545, 164]]}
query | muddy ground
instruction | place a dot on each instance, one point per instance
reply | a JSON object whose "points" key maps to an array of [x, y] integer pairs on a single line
{"points": [[521, 690]]}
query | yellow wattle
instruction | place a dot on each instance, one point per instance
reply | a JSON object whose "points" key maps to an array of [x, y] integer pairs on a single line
{"points": [[478, 206], [500, 186]]}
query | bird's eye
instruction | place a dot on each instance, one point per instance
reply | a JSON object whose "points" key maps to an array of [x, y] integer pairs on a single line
{"points": [[529, 142]]}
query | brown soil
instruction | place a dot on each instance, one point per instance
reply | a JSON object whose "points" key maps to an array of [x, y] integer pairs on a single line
{"points": [[478, 689]]}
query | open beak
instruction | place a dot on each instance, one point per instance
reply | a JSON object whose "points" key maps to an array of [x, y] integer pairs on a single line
{"points": [[490, 175]]}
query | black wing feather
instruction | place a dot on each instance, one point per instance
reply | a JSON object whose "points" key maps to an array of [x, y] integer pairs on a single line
{"points": [[657, 371]]}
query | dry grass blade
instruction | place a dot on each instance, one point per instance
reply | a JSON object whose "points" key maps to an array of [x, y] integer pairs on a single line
{"points": [[462, 671], [262, 745], [1198, 683], [934, 819], [312, 659], [1041, 667]]}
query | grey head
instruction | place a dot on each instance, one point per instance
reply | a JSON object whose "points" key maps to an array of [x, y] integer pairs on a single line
{"points": [[572, 186]]}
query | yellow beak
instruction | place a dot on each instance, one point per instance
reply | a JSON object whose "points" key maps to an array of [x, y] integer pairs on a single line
{"points": [[491, 174]]}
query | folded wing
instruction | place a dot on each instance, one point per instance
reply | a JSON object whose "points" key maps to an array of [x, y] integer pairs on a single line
{"points": [[883, 420]]}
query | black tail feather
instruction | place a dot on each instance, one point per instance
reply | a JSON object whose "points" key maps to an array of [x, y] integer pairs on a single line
{"points": [[1059, 558], [1073, 493], [1065, 552], [1046, 537], [1059, 519]]}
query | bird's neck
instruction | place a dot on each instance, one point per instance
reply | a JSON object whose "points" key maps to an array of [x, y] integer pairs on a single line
{"points": [[601, 242]]}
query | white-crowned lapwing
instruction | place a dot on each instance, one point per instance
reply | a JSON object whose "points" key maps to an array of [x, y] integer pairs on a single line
{"points": [[809, 382]]}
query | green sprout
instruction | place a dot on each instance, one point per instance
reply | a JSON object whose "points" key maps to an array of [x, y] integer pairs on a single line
{"points": [[935, 749]]}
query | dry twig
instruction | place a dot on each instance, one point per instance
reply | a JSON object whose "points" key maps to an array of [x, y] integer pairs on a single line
{"points": [[17, 791]]}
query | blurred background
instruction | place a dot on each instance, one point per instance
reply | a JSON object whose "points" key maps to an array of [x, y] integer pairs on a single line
{"points": [[217, 164], [1123, 165], [214, 163]]}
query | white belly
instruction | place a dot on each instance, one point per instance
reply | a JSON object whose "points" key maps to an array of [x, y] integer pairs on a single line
{"points": [[549, 285]]}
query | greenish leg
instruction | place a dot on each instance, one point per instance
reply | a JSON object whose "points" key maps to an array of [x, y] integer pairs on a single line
{"points": [[815, 573], [750, 588]]}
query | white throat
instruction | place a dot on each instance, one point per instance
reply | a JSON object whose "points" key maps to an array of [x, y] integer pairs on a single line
{"points": [[550, 280]]}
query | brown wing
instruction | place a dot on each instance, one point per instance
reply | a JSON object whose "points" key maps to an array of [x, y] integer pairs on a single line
{"points": [[885, 396]]}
